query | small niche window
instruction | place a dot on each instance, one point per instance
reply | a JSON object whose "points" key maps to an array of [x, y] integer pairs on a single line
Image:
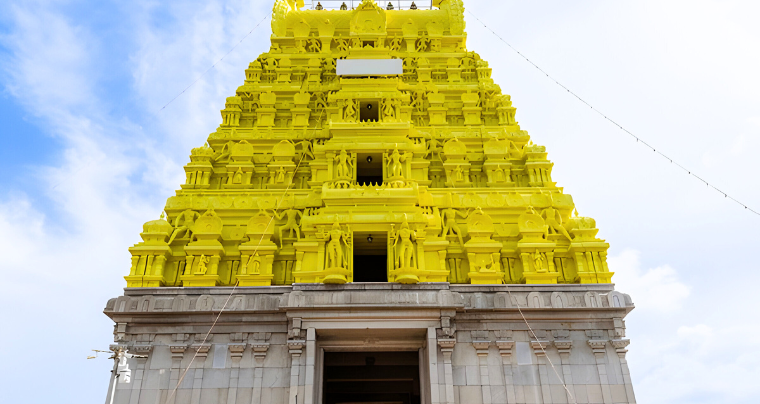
{"points": [[369, 111], [369, 169]]}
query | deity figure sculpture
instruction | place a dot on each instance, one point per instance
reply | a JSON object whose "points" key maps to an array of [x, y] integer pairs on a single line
{"points": [[404, 250], [254, 264], [281, 175], [389, 112], [349, 114], [539, 262], [395, 166], [343, 169], [450, 223], [202, 265], [314, 45], [307, 148], [551, 216], [337, 238], [433, 148], [422, 44], [291, 224], [184, 223], [342, 45], [395, 44]]}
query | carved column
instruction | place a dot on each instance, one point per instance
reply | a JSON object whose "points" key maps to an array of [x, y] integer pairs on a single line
{"points": [[432, 371], [564, 347], [311, 348], [481, 346], [143, 351], [447, 348], [505, 350], [259, 348], [620, 346], [295, 347], [599, 346], [178, 352], [236, 354], [543, 376], [198, 363]]}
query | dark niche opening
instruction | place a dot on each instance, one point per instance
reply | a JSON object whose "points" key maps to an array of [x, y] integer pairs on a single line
{"points": [[371, 257], [369, 168], [372, 377], [369, 111]]}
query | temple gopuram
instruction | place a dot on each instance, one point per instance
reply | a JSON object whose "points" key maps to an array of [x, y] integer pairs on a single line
{"points": [[369, 224]]}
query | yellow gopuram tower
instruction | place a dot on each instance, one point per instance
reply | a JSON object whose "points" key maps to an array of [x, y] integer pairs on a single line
{"points": [[369, 224], [369, 124]]}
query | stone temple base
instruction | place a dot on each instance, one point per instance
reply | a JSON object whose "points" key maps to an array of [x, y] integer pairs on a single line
{"points": [[270, 343]]}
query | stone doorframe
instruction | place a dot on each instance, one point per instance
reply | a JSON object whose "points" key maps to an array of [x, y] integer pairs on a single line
{"points": [[307, 389]]}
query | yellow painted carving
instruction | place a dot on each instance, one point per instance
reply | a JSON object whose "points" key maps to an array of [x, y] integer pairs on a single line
{"points": [[306, 165]]}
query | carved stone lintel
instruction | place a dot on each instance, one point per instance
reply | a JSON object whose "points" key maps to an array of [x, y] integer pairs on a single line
{"points": [[539, 347], [620, 346], [236, 351], [505, 347], [202, 349], [142, 349], [296, 346], [178, 351], [120, 332], [481, 346], [563, 346], [598, 346], [260, 349]]}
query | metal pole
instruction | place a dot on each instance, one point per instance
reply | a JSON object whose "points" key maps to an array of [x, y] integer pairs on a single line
{"points": [[115, 373]]}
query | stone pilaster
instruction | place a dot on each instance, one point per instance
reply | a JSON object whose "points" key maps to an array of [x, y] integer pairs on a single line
{"points": [[295, 347], [447, 348], [236, 354], [599, 347], [539, 348], [481, 347], [505, 350], [564, 347], [260, 349], [178, 352], [435, 393], [621, 346], [198, 363], [142, 352]]}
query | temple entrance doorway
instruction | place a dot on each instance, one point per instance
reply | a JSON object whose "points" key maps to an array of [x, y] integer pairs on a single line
{"points": [[370, 257], [371, 378]]}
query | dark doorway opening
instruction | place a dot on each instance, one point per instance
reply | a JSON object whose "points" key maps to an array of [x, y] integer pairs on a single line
{"points": [[371, 257], [371, 377], [369, 168], [369, 111]]}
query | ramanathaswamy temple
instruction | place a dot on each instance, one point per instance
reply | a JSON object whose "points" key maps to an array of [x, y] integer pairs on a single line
{"points": [[369, 224]]}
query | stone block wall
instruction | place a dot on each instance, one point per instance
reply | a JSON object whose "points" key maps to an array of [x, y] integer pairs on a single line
{"points": [[475, 345]]}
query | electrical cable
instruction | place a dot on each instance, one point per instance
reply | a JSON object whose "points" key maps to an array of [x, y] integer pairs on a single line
{"points": [[638, 139], [237, 281], [214, 65]]}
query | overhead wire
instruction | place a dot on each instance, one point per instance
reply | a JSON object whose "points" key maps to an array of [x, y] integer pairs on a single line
{"points": [[214, 65], [638, 139], [237, 281]]}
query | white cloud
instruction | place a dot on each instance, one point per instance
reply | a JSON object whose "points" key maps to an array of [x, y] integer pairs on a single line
{"points": [[657, 289]]}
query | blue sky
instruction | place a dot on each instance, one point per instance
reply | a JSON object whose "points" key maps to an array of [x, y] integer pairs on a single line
{"points": [[89, 156]]}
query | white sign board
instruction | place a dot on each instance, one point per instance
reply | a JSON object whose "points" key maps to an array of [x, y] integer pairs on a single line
{"points": [[369, 67]]}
